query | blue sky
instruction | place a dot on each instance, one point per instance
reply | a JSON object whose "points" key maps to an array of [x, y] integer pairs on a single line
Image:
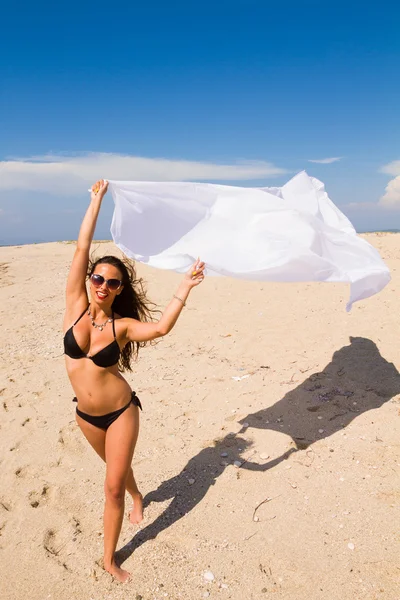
{"points": [[214, 88]]}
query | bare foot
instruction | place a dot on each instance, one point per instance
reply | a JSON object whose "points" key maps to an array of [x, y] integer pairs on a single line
{"points": [[119, 574], [136, 514]]}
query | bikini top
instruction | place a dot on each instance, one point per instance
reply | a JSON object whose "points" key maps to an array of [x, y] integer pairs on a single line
{"points": [[107, 357]]}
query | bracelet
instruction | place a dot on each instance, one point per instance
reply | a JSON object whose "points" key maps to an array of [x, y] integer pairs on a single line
{"points": [[180, 300]]}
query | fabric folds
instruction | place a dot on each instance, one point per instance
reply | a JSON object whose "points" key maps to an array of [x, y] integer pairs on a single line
{"points": [[291, 233]]}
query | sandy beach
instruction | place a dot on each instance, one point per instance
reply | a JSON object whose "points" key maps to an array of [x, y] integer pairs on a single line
{"points": [[269, 452]]}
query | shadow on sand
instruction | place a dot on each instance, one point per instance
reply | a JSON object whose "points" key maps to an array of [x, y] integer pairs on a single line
{"points": [[358, 379]]}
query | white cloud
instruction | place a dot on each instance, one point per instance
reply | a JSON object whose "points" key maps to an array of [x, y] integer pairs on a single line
{"points": [[392, 168], [66, 175], [391, 197], [326, 161]]}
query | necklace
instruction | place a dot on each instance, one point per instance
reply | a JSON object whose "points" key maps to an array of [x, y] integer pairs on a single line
{"points": [[102, 325]]}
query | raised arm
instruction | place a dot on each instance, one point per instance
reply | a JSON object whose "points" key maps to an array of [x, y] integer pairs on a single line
{"points": [[143, 332], [76, 288]]}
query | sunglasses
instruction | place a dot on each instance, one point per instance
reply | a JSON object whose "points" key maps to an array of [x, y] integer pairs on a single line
{"points": [[112, 284]]}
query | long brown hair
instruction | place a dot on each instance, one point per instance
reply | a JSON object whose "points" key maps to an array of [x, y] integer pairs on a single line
{"points": [[131, 302]]}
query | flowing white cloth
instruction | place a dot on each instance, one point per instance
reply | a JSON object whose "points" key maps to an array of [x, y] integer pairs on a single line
{"points": [[292, 233]]}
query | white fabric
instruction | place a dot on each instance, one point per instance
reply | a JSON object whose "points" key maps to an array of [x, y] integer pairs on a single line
{"points": [[292, 233]]}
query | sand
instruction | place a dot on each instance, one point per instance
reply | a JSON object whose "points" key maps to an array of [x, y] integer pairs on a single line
{"points": [[276, 378]]}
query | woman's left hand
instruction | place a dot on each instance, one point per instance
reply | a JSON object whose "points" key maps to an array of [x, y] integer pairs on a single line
{"points": [[195, 275]]}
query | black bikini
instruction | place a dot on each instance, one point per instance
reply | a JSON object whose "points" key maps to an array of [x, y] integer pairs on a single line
{"points": [[104, 421], [107, 357]]}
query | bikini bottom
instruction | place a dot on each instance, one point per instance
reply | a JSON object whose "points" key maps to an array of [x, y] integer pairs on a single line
{"points": [[104, 421]]}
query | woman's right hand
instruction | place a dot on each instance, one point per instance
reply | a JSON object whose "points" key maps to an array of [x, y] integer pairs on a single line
{"points": [[99, 189]]}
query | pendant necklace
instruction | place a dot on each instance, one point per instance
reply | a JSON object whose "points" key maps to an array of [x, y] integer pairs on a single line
{"points": [[100, 326]]}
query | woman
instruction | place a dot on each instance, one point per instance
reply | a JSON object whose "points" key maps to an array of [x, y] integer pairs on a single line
{"points": [[100, 339]]}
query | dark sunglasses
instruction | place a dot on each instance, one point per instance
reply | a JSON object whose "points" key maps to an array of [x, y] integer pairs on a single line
{"points": [[112, 284]]}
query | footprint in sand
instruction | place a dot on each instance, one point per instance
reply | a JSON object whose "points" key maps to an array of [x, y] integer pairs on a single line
{"points": [[38, 498], [68, 437], [53, 547], [49, 542], [5, 508], [20, 472], [60, 545], [4, 403], [5, 278]]}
